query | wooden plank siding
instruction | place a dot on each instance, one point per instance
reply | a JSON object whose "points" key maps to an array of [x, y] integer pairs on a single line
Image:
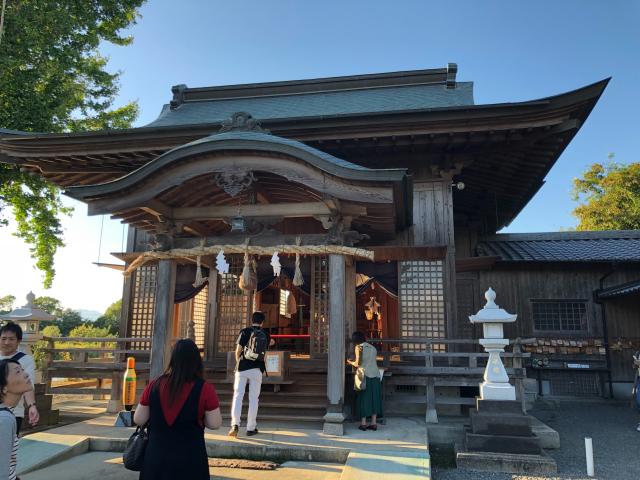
{"points": [[516, 284]]}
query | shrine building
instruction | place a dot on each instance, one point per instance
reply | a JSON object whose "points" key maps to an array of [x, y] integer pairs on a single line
{"points": [[377, 199]]}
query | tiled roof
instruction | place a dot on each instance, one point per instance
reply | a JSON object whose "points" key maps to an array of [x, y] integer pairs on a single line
{"points": [[319, 104], [602, 246], [630, 288]]}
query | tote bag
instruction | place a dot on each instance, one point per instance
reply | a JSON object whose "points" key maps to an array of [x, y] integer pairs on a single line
{"points": [[133, 456]]}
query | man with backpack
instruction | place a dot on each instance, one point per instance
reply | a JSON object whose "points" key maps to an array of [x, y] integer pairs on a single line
{"points": [[251, 347], [10, 338]]}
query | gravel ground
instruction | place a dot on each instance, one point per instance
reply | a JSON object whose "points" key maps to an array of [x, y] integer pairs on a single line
{"points": [[616, 443]]}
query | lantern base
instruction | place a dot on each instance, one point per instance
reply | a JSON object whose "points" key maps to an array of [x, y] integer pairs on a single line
{"points": [[497, 391]]}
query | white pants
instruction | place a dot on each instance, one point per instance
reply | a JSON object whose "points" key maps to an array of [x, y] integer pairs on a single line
{"points": [[254, 377]]}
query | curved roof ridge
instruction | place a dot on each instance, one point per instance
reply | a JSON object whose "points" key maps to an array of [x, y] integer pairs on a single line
{"points": [[239, 138]]}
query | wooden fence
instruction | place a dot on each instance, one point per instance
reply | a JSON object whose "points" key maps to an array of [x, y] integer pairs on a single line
{"points": [[432, 363], [81, 359]]}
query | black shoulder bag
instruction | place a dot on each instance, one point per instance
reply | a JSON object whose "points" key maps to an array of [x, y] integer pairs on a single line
{"points": [[133, 455]]}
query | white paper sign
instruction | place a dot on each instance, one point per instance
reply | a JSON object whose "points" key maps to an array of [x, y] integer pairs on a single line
{"points": [[272, 362]]}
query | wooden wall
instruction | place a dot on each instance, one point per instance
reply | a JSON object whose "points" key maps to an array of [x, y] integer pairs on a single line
{"points": [[433, 225], [516, 284]]}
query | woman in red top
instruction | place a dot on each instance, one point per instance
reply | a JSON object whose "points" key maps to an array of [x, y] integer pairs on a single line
{"points": [[178, 405]]}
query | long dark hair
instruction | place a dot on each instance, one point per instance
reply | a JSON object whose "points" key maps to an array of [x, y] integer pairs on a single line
{"points": [[4, 374], [185, 366]]}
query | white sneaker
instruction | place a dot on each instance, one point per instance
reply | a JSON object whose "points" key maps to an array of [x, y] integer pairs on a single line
{"points": [[638, 427]]}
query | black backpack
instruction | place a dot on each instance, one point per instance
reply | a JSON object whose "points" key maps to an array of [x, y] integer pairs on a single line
{"points": [[256, 346], [18, 356]]}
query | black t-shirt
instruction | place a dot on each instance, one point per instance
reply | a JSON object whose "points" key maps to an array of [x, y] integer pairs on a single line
{"points": [[243, 339]]}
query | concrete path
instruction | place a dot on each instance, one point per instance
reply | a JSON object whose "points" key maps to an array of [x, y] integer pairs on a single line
{"points": [[108, 466], [398, 448]]}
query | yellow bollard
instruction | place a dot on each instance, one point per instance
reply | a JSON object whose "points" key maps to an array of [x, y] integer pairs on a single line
{"points": [[129, 385]]}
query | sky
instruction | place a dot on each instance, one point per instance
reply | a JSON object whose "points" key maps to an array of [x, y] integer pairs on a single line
{"points": [[512, 51]]}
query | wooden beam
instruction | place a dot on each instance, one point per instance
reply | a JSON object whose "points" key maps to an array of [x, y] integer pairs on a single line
{"points": [[157, 208], [471, 264], [285, 210], [431, 252]]}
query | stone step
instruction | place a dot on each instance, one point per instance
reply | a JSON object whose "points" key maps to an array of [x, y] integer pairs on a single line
{"points": [[271, 417], [500, 424], [506, 462], [477, 442], [283, 405]]}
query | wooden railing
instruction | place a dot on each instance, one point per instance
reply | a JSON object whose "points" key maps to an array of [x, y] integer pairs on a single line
{"points": [[432, 363], [88, 362]]}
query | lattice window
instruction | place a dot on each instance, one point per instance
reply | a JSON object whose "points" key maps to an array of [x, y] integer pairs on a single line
{"points": [[559, 315], [422, 307], [571, 383], [233, 304], [319, 328], [200, 315], [143, 299]]}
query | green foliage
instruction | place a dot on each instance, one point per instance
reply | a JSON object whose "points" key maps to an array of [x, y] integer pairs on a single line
{"points": [[51, 331], [69, 320], [609, 196], [6, 303], [49, 304], [53, 79], [111, 318], [37, 349], [88, 331]]}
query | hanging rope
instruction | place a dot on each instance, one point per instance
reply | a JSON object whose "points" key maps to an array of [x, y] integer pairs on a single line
{"points": [[100, 241], [122, 239], [253, 250]]}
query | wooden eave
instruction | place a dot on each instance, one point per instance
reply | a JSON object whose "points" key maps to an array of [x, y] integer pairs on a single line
{"points": [[502, 151]]}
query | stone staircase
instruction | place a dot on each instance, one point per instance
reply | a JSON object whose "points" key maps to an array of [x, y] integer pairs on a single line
{"points": [[303, 401]]}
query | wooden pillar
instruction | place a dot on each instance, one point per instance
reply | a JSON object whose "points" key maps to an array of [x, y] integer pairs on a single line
{"points": [[350, 297], [115, 399], [165, 290], [336, 357], [211, 345]]}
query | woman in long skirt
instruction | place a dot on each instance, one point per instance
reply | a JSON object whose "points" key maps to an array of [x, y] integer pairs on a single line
{"points": [[368, 399]]}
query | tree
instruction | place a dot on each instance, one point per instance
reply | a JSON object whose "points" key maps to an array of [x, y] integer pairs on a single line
{"points": [[89, 331], [53, 79], [609, 196], [6, 303], [69, 320], [111, 318], [49, 304]]}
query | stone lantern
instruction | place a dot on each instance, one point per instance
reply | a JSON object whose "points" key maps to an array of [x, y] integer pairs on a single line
{"points": [[29, 318], [501, 437], [496, 384]]}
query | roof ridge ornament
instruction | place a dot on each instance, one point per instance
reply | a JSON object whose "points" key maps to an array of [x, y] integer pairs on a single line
{"points": [[241, 122], [178, 96]]}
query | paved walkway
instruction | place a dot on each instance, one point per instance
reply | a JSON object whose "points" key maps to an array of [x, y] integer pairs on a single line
{"points": [[398, 448]]}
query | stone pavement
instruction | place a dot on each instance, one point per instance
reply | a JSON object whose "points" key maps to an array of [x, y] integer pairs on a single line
{"points": [[398, 448]]}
